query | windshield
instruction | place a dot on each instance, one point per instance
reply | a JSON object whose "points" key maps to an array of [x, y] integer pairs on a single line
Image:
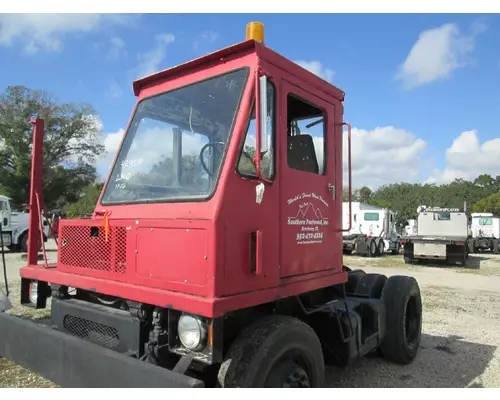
{"points": [[176, 142]]}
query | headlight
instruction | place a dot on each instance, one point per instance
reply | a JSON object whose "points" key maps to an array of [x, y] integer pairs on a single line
{"points": [[33, 292], [192, 332]]}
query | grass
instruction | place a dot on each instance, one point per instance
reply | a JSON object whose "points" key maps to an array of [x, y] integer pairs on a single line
{"points": [[14, 376]]}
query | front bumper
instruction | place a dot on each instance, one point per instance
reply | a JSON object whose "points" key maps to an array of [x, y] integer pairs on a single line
{"points": [[72, 362]]}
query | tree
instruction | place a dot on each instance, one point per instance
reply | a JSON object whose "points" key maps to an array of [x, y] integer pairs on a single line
{"points": [[86, 203], [489, 204], [365, 194], [71, 146], [484, 180]]}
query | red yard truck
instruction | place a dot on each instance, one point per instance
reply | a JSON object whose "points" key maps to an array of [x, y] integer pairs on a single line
{"points": [[214, 255]]}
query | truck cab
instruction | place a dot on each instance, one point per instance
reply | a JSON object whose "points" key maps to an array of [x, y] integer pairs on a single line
{"points": [[372, 230], [484, 233], [214, 252], [15, 227]]}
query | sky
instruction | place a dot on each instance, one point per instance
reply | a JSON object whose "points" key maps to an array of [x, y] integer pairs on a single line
{"points": [[422, 91]]}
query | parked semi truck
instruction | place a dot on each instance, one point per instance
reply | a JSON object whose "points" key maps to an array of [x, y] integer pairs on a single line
{"points": [[205, 263], [15, 227], [373, 230], [485, 233], [442, 234]]}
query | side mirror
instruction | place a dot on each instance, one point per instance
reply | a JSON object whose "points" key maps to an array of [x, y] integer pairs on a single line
{"points": [[264, 139]]}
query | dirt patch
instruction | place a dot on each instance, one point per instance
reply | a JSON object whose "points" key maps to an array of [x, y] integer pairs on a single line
{"points": [[460, 341]]}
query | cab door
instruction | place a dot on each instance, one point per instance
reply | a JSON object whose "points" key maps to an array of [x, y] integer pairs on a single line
{"points": [[308, 187]]}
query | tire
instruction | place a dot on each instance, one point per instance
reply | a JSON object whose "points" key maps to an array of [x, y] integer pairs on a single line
{"points": [[260, 356], [496, 249], [353, 278], [380, 248], [403, 303], [463, 260], [372, 248], [371, 285]]}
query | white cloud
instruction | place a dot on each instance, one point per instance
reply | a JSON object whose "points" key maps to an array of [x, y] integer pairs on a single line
{"points": [[117, 48], [467, 158], [150, 61], [205, 37], [383, 155], [115, 91], [437, 53], [317, 68], [111, 142], [46, 32]]}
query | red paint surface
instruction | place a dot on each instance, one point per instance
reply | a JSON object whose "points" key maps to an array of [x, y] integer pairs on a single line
{"points": [[195, 256]]}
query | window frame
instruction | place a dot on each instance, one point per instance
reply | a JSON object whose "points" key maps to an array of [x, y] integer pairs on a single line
{"points": [[127, 142], [325, 132], [273, 136]]}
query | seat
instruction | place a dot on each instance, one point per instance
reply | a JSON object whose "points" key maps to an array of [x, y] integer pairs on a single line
{"points": [[301, 154]]}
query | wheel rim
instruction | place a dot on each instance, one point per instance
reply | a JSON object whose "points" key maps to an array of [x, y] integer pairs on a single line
{"points": [[289, 372], [411, 322]]}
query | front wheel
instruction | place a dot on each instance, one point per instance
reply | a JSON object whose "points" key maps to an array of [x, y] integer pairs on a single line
{"points": [[275, 352], [403, 303]]}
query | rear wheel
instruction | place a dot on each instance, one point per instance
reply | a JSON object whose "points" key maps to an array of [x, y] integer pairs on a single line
{"points": [[496, 248], [371, 285], [353, 277], [381, 247], [401, 296], [372, 248], [275, 352]]}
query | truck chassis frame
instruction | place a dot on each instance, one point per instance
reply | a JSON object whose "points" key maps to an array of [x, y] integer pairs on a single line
{"points": [[104, 346], [367, 246]]}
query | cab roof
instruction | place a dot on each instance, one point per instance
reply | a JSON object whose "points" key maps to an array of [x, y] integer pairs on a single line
{"points": [[235, 51]]}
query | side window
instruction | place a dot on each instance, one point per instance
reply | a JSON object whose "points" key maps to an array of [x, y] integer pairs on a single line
{"points": [[371, 216], [246, 166], [306, 140]]}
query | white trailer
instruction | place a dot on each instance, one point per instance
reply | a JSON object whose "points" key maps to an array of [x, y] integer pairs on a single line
{"points": [[442, 234], [15, 227], [373, 230], [485, 233]]}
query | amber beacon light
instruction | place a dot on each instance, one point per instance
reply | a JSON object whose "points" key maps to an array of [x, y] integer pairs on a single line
{"points": [[255, 31]]}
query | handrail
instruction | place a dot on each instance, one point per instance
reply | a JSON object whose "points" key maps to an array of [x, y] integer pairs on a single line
{"points": [[350, 173]]}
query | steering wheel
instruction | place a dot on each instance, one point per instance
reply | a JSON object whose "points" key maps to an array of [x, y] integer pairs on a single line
{"points": [[209, 144]]}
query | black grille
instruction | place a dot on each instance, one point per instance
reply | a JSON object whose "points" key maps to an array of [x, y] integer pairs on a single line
{"points": [[95, 332]]}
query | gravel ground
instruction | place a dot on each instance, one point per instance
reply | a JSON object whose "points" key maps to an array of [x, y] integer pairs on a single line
{"points": [[460, 328]]}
